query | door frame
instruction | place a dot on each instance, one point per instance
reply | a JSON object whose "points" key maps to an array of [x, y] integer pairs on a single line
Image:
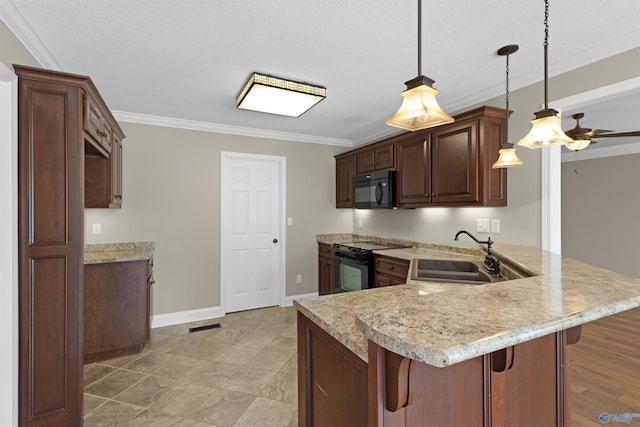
{"points": [[226, 158], [551, 164], [8, 246]]}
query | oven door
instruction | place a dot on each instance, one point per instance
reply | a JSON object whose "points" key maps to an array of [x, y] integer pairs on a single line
{"points": [[352, 274]]}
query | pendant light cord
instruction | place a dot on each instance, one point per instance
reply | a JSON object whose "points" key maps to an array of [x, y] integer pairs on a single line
{"points": [[506, 113], [419, 37], [546, 48]]}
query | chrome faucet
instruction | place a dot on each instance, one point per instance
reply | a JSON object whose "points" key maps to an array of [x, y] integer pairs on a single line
{"points": [[491, 263]]}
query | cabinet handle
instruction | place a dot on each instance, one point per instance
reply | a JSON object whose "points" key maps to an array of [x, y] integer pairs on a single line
{"points": [[390, 267]]}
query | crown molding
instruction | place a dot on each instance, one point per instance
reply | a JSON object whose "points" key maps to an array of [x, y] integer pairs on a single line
{"points": [[21, 28], [147, 119]]}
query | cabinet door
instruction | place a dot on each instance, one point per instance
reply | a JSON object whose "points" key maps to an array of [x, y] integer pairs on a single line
{"points": [[332, 380], [50, 244], [366, 161], [115, 166], [346, 169], [414, 172], [116, 308], [327, 276], [455, 164], [326, 272], [384, 157], [495, 180], [379, 157], [530, 377]]}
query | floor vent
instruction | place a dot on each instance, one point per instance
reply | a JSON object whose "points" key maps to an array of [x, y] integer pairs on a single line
{"points": [[202, 328]]}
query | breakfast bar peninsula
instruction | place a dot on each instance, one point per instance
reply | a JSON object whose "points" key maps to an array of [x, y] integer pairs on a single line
{"points": [[450, 354]]}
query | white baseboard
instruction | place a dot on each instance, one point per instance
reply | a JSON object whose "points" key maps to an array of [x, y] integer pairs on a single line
{"points": [[168, 319], [288, 300], [176, 318]]}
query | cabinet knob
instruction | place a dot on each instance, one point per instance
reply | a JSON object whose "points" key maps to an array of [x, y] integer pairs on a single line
{"points": [[390, 267]]}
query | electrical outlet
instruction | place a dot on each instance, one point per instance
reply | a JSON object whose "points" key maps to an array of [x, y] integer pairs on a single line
{"points": [[299, 278], [289, 221], [360, 223], [97, 229], [495, 226], [482, 225]]}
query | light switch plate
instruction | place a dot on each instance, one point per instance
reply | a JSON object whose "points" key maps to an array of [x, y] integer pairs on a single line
{"points": [[97, 229], [482, 225], [495, 226], [299, 278], [289, 221]]}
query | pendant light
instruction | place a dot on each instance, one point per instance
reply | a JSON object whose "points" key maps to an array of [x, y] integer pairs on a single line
{"points": [[545, 130], [507, 155], [419, 109]]}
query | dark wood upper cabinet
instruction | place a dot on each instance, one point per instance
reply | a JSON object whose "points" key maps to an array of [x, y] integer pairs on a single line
{"points": [[376, 157], [346, 169], [413, 176], [455, 164], [103, 155], [51, 195], [447, 165]]}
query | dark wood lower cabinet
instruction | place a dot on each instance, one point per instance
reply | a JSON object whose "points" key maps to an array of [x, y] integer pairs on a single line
{"points": [[332, 381], [326, 270], [389, 271], [116, 309], [523, 385]]}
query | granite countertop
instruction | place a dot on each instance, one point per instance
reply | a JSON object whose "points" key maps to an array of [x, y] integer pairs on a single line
{"points": [[441, 324], [118, 252]]}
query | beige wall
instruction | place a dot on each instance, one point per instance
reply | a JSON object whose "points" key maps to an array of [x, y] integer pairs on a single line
{"points": [[521, 219], [600, 212], [12, 51], [171, 195]]}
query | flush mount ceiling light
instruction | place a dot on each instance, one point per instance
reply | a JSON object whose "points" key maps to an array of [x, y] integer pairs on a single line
{"points": [[274, 95], [507, 157], [419, 109], [545, 130]]}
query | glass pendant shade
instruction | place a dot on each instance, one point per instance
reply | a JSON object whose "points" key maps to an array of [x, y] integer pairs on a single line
{"points": [[507, 158], [545, 131], [578, 144], [419, 109]]}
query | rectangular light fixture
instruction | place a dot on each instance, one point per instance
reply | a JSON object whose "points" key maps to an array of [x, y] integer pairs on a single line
{"points": [[274, 95]]}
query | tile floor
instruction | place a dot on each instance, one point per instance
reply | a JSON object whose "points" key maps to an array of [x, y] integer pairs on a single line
{"points": [[242, 374]]}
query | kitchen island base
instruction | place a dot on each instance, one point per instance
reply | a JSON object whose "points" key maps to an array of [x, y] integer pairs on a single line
{"points": [[522, 385]]}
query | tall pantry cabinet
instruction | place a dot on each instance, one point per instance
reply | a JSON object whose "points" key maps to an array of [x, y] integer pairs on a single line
{"points": [[51, 193]]}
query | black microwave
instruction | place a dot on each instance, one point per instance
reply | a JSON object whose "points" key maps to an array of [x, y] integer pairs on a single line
{"points": [[375, 190]]}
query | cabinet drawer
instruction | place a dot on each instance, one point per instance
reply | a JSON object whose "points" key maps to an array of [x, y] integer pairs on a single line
{"points": [[392, 267], [382, 280], [99, 131]]}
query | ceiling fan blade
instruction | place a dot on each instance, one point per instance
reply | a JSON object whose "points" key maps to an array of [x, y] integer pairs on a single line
{"points": [[596, 132], [617, 134]]}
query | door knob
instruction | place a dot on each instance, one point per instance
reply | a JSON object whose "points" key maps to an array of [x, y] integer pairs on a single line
{"points": [[275, 240]]}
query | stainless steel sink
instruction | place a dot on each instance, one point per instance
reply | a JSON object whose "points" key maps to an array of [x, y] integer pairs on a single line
{"points": [[452, 271]]}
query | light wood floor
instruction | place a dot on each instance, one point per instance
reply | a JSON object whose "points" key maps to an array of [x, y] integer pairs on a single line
{"points": [[605, 370]]}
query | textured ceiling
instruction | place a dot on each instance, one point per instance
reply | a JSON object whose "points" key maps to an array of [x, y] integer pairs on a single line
{"points": [[189, 59]]}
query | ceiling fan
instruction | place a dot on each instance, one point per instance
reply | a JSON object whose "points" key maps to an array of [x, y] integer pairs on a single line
{"points": [[582, 137]]}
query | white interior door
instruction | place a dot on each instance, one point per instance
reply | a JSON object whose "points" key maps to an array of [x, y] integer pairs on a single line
{"points": [[252, 219]]}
